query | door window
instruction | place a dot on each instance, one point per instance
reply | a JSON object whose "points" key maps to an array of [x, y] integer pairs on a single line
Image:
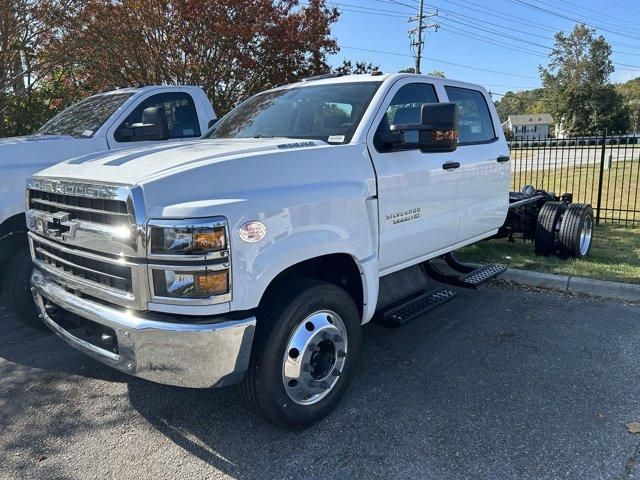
{"points": [[475, 123], [405, 107], [180, 112]]}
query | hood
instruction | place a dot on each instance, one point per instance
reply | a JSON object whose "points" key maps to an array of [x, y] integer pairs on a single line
{"points": [[28, 139], [140, 165], [39, 151]]}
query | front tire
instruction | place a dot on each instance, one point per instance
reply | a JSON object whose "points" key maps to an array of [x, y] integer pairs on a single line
{"points": [[305, 349], [16, 289]]}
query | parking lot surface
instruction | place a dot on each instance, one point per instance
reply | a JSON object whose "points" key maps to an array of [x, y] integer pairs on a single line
{"points": [[500, 384]]}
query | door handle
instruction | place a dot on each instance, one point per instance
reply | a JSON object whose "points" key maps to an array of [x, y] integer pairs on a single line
{"points": [[502, 158], [451, 165]]}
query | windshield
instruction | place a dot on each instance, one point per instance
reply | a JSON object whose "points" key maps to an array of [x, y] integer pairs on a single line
{"points": [[85, 117], [325, 112]]}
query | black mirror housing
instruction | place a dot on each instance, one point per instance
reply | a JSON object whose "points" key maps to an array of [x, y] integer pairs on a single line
{"points": [[153, 126], [438, 131]]}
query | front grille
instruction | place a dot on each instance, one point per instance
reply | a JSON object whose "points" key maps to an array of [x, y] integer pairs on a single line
{"points": [[96, 210], [83, 237], [102, 273]]}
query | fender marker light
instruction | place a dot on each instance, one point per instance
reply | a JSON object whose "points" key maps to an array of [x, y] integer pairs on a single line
{"points": [[252, 232]]}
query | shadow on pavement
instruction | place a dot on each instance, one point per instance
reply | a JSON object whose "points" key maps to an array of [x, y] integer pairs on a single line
{"points": [[501, 390], [23, 345], [502, 384]]}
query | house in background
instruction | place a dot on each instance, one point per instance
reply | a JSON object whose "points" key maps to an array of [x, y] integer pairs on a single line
{"points": [[533, 127]]}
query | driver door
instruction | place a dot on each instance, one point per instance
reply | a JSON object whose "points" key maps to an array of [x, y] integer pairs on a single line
{"points": [[417, 192]]}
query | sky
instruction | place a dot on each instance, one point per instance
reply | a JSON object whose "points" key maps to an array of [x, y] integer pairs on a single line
{"points": [[495, 43]]}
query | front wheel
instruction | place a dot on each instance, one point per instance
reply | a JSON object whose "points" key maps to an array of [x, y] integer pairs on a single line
{"points": [[305, 349], [16, 289]]}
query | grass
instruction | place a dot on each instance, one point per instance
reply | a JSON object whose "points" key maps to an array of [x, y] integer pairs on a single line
{"points": [[620, 186], [615, 256]]}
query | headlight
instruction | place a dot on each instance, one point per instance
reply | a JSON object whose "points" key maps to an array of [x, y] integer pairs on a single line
{"points": [[192, 263], [198, 284], [191, 237]]}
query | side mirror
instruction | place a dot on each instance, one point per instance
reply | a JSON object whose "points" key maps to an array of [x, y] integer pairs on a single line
{"points": [[153, 127], [212, 123], [438, 131]]}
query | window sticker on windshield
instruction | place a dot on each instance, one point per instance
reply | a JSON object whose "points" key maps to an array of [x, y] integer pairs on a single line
{"points": [[87, 133], [336, 139], [188, 132]]}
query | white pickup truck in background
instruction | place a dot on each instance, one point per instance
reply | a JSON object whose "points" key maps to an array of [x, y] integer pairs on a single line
{"points": [[118, 119]]}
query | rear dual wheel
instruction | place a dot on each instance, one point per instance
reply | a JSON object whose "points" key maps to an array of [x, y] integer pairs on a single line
{"points": [[305, 347], [547, 228], [576, 231], [566, 230]]}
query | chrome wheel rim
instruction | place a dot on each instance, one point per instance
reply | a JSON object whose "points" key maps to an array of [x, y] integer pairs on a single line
{"points": [[314, 357], [585, 235]]}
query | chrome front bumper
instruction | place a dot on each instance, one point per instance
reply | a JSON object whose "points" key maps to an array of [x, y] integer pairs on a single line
{"points": [[198, 355]]}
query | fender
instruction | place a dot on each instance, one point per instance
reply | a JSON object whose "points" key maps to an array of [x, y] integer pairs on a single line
{"points": [[301, 233]]}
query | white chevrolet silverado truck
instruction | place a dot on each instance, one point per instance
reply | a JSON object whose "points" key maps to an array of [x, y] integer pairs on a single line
{"points": [[112, 120], [255, 255]]}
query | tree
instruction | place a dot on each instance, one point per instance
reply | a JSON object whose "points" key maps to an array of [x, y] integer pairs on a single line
{"points": [[519, 103], [232, 48], [435, 73], [31, 79], [630, 92], [349, 68], [577, 87]]}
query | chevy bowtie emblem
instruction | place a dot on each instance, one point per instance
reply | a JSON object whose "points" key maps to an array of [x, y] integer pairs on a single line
{"points": [[58, 225]]}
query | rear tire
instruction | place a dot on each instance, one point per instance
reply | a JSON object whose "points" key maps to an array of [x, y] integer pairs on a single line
{"points": [[547, 226], [576, 231], [16, 289], [282, 383]]}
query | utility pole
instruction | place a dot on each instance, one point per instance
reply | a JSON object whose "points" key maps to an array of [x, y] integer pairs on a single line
{"points": [[418, 41]]}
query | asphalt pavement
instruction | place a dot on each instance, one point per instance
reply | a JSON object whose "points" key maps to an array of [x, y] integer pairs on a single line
{"points": [[496, 384]]}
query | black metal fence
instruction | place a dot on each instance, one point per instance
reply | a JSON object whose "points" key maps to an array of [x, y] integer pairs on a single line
{"points": [[603, 170]]}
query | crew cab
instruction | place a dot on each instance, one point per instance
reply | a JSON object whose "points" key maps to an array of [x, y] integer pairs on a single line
{"points": [[255, 255], [113, 120]]}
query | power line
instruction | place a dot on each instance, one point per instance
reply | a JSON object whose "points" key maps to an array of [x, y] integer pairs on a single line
{"points": [[366, 10], [510, 86], [513, 29], [499, 14], [573, 19], [601, 14], [526, 99], [467, 34], [588, 17], [462, 32], [485, 22], [494, 32], [475, 26], [439, 61], [399, 3], [513, 19]]}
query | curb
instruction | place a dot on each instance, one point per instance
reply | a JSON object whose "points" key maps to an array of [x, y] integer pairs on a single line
{"points": [[628, 292]]}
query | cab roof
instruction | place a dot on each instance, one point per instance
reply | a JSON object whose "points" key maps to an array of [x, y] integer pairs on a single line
{"points": [[377, 77]]}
